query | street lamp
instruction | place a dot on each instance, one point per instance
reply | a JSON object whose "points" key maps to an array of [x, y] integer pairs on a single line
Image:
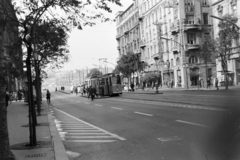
{"points": [[156, 60], [221, 19], [185, 65]]}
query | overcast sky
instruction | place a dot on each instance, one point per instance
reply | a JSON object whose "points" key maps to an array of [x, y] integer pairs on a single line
{"points": [[88, 45]]}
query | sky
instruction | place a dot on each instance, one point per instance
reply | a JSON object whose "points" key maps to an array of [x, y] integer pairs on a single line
{"points": [[87, 46]]}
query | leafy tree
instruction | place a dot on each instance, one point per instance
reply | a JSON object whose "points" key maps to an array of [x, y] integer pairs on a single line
{"points": [[226, 35], [221, 47], [129, 64], [94, 72], [151, 77], [208, 50], [66, 14]]}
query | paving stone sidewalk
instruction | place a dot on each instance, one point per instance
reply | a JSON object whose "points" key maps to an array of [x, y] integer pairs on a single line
{"points": [[50, 145]]}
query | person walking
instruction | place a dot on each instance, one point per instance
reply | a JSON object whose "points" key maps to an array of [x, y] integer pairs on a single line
{"points": [[216, 83], [132, 87], [6, 99], [48, 96], [208, 83]]}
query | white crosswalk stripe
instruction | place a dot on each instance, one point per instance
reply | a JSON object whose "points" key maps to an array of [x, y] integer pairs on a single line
{"points": [[72, 129]]}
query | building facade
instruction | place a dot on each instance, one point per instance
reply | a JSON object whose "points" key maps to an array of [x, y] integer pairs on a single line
{"points": [[10, 47], [170, 40], [128, 34], [219, 9]]}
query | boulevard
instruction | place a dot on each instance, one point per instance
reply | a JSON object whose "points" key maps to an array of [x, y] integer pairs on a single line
{"points": [[175, 125]]}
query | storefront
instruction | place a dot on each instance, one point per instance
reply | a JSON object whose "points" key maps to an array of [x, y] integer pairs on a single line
{"points": [[194, 76]]}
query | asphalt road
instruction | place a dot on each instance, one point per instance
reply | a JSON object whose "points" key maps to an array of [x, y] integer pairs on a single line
{"points": [[131, 128]]}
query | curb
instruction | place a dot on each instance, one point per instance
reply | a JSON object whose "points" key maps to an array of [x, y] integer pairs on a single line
{"points": [[59, 149], [64, 92]]}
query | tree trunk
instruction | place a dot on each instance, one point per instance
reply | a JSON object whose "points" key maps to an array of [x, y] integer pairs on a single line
{"points": [[5, 152], [225, 69]]}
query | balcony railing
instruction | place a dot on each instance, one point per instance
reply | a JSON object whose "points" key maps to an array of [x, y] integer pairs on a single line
{"points": [[195, 26], [174, 29], [192, 46], [142, 43], [175, 49]]}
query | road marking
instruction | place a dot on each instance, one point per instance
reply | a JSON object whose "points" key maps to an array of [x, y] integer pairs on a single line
{"points": [[83, 137], [143, 114], [92, 141], [98, 105], [116, 108], [169, 104], [90, 131], [75, 134], [196, 124], [86, 102]]}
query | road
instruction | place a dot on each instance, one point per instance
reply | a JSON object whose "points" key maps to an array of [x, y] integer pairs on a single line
{"points": [[131, 128]]}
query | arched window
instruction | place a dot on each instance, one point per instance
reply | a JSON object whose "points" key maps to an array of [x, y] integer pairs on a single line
{"points": [[193, 60]]}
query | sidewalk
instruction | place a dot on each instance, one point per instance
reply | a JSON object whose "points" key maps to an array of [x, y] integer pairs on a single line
{"points": [[50, 145], [161, 90]]}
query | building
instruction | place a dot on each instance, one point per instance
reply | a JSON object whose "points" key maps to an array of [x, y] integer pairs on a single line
{"points": [[128, 33], [219, 9], [170, 38], [11, 46]]}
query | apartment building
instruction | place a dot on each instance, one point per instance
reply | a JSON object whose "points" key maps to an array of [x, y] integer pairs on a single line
{"points": [[128, 30], [11, 55], [155, 22], [170, 36], [219, 9]]}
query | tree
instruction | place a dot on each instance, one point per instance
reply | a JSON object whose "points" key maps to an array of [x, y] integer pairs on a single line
{"points": [[129, 63], [94, 72], [226, 35], [67, 14], [221, 47], [208, 50], [151, 77]]}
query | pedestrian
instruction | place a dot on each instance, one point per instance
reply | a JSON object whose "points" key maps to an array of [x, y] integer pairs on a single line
{"points": [[208, 83], [89, 90], [132, 86], [6, 98], [56, 89], [216, 83], [48, 96], [19, 95]]}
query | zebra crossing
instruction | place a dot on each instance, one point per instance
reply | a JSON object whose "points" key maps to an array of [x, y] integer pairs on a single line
{"points": [[72, 129]]}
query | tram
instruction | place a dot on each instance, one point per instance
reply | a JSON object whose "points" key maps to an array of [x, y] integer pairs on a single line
{"points": [[106, 85]]}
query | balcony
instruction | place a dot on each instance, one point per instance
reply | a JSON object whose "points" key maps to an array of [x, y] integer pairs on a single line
{"points": [[175, 49], [174, 29], [142, 43], [196, 27], [140, 18], [126, 32], [192, 46], [118, 37]]}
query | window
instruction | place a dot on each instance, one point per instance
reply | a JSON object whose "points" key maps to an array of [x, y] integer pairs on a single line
{"points": [[189, 2], [171, 62], [205, 18], [204, 2], [191, 38], [193, 60], [234, 10]]}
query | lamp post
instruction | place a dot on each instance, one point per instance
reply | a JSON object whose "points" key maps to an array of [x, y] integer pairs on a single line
{"points": [[156, 60]]}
